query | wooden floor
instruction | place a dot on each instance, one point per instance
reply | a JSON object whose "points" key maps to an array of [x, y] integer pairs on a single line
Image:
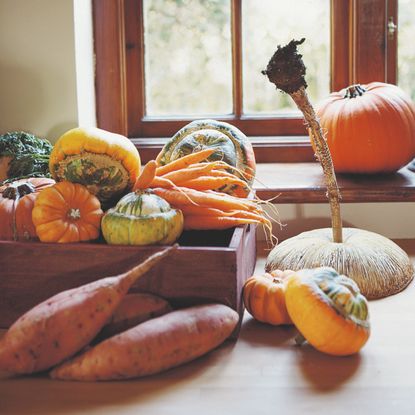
{"points": [[262, 373]]}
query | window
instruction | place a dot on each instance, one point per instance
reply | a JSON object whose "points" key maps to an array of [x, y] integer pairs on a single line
{"points": [[220, 46], [406, 54]]}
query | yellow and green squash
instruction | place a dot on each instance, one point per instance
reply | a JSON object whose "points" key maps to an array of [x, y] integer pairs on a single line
{"points": [[107, 164], [142, 218], [328, 310]]}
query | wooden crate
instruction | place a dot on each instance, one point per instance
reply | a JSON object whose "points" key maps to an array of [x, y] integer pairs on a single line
{"points": [[208, 266]]}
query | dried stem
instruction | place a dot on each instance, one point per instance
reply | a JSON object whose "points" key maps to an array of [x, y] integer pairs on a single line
{"points": [[286, 70], [323, 154]]}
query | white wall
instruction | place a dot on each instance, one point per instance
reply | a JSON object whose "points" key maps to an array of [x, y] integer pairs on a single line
{"points": [[393, 220], [37, 67], [40, 72]]}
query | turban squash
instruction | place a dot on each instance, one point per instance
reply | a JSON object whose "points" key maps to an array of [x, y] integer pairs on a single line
{"points": [[16, 204], [232, 146], [108, 164], [328, 310], [369, 128], [142, 218]]}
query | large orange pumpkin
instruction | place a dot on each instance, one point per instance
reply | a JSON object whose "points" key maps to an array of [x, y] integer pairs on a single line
{"points": [[369, 128], [16, 203]]}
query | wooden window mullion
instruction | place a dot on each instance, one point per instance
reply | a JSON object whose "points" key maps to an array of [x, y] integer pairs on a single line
{"points": [[236, 28], [392, 42], [340, 76], [110, 66], [135, 74], [368, 41]]}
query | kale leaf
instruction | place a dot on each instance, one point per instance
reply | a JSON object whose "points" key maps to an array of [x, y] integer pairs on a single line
{"points": [[29, 155]]}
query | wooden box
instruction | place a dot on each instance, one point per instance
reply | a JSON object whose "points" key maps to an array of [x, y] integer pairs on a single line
{"points": [[208, 266]]}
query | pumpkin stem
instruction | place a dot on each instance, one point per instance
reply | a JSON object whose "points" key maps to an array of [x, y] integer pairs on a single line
{"points": [[17, 190], [354, 90], [286, 70], [74, 213], [299, 339]]}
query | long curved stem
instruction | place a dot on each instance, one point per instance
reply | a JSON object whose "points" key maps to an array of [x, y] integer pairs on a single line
{"points": [[323, 154]]}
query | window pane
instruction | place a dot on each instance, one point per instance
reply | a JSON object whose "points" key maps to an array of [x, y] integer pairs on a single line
{"points": [[406, 51], [268, 23], [188, 59]]}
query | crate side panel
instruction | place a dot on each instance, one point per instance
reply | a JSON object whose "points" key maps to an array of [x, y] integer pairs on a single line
{"points": [[30, 274]]}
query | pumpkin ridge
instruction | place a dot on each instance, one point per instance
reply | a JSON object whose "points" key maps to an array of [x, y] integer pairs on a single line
{"points": [[44, 230], [54, 197]]}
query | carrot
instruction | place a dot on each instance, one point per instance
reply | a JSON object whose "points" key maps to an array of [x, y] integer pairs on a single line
{"points": [[216, 200], [214, 222], [239, 191], [212, 183], [196, 210], [147, 175], [133, 309], [189, 173], [185, 161], [221, 173], [193, 210], [65, 323], [219, 164], [162, 182], [154, 346]]}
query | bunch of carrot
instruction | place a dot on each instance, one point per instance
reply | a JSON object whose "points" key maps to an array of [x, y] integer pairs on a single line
{"points": [[193, 185]]}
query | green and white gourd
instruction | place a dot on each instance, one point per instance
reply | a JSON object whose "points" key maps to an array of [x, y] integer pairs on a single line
{"points": [[232, 145], [142, 218]]}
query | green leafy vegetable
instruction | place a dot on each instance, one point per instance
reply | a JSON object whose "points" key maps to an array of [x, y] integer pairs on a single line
{"points": [[28, 155]]}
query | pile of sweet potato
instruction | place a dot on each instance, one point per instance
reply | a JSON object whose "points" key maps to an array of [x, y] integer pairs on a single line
{"points": [[99, 332]]}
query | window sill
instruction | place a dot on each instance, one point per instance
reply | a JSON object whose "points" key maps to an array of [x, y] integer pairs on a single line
{"points": [[286, 169], [267, 149], [304, 183]]}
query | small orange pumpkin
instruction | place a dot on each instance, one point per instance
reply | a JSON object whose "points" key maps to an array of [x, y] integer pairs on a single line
{"points": [[16, 203], [264, 297], [67, 212], [370, 128]]}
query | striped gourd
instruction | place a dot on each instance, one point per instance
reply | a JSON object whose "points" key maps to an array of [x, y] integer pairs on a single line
{"points": [[232, 146], [142, 218]]}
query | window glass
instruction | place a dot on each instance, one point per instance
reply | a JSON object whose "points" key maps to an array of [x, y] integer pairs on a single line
{"points": [[188, 57], [406, 50], [268, 23]]}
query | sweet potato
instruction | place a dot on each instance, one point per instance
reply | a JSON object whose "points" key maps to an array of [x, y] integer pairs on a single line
{"points": [[62, 325], [133, 309], [153, 346]]}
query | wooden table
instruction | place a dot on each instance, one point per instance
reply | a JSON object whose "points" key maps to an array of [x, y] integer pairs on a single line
{"points": [[262, 373]]}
